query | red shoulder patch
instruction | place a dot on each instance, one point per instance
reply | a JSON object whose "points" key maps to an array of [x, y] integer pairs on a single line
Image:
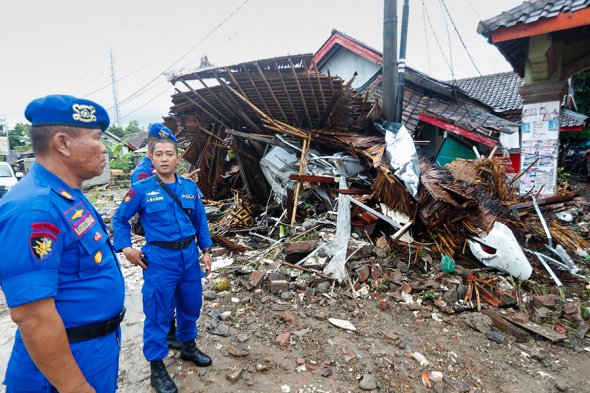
{"points": [[142, 176], [129, 196], [45, 226]]}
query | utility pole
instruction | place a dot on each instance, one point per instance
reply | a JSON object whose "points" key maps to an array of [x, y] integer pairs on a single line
{"points": [[389, 59], [115, 90], [401, 65]]}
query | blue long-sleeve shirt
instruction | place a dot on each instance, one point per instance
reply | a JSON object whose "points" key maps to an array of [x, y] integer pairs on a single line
{"points": [[161, 217]]}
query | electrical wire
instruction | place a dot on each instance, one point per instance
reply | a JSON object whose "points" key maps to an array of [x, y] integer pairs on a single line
{"points": [[146, 103], [442, 2], [435, 38], [426, 39], [140, 91], [448, 38]]}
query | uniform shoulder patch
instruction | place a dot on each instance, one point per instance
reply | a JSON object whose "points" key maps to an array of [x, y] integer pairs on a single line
{"points": [[42, 245], [45, 227], [142, 176], [129, 196]]}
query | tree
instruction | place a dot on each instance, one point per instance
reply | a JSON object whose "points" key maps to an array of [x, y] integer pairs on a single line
{"points": [[577, 140], [19, 136], [133, 127], [117, 130]]}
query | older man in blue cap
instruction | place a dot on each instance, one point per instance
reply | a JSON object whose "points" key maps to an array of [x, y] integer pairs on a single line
{"points": [[60, 275]]}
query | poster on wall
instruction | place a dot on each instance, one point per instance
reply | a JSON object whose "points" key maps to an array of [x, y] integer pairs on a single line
{"points": [[540, 146]]}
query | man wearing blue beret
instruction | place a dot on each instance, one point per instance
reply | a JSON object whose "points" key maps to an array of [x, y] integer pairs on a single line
{"points": [[60, 274], [173, 216], [146, 169]]}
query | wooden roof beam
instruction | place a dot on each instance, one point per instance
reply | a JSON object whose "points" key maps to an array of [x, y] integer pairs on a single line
{"points": [[257, 90], [301, 93], [205, 101], [201, 107], [271, 92], [287, 93]]}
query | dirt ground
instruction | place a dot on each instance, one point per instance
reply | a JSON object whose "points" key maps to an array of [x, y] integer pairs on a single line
{"points": [[320, 357], [284, 342]]}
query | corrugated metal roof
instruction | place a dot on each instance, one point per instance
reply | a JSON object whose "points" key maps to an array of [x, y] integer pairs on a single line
{"points": [[529, 12]]}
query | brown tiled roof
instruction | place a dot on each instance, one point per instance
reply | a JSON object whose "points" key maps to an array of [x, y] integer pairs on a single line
{"points": [[137, 140], [529, 12], [426, 95]]}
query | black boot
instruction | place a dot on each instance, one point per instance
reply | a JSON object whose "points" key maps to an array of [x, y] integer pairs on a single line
{"points": [[160, 379], [189, 351], [171, 339]]}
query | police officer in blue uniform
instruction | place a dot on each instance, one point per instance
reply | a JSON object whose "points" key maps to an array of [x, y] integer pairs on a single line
{"points": [[58, 270], [142, 171], [170, 258]]}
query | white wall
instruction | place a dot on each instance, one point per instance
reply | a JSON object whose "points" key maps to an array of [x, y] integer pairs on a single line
{"points": [[344, 63]]}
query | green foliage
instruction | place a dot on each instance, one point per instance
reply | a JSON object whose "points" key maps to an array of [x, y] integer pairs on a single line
{"points": [[120, 160], [132, 128], [230, 155], [117, 130], [577, 140], [19, 136]]}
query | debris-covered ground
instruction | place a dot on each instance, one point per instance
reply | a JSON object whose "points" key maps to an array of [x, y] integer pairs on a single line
{"points": [[271, 327]]}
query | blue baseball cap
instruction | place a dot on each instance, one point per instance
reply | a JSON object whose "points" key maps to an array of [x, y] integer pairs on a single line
{"points": [[160, 131], [59, 109]]}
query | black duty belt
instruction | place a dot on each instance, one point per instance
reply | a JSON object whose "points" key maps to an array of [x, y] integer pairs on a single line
{"points": [[176, 245], [96, 330]]}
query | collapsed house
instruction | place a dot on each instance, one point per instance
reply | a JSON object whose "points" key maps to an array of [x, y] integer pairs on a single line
{"points": [[283, 141]]}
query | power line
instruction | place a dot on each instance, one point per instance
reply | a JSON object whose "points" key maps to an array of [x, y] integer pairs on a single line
{"points": [[144, 104], [426, 40], [448, 39], [139, 92], [460, 38], [442, 52]]}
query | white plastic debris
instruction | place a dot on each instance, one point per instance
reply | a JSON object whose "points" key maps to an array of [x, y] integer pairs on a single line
{"points": [[285, 389], [436, 376], [407, 298], [420, 359], [342, 324], [508, 255]]}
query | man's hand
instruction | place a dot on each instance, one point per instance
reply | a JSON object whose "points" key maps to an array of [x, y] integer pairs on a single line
{"points": [[134, 257], [194, 175], [207, 262]]}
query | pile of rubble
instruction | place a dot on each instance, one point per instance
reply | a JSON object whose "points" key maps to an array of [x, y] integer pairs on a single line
{"points": [[313, 194]]}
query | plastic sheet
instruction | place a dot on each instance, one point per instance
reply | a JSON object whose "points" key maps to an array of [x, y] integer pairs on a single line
{"points": [[401, 154], [338, 247]]}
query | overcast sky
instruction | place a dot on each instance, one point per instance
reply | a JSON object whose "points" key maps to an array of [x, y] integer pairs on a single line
{"points": [[62, 46]]}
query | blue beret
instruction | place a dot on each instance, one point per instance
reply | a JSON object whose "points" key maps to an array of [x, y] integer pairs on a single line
{"points": [[160, 131], [67, 111]]}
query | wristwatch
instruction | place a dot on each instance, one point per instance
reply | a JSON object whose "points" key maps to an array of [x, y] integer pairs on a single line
{"points": [[207, 250]]}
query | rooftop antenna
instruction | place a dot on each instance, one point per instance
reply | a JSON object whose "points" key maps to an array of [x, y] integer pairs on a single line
{"points": [[115, 90]]}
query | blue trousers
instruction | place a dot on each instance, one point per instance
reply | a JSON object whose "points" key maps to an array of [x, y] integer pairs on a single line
{"points": [[172, 277], [98, 359]]}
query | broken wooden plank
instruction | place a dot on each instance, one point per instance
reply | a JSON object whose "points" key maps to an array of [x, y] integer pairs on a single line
{"points": [[309, 271], [506, 326], [312, 178], [545, 201], [541, 330]]}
